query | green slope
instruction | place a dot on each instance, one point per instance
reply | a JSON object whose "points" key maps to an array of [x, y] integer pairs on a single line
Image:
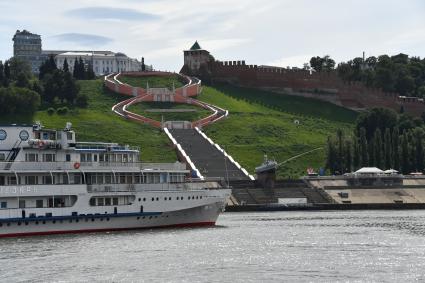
{"points": [[98, 123], [263, 122]]}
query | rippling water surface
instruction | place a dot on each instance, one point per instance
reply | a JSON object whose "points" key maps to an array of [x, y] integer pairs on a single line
{"points": [[244, 247]]}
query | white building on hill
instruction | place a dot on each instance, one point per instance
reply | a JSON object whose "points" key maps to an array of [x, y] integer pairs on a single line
{"points": [[103, 62]]}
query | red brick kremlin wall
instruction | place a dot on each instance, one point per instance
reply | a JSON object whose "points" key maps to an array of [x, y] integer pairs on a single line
{"points": [[323, 85]]}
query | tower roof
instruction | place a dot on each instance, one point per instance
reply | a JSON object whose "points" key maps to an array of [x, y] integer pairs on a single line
{"points": [[196, 46]]}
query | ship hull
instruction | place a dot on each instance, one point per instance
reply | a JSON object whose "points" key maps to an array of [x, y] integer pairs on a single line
{"points": [[205, 215]]}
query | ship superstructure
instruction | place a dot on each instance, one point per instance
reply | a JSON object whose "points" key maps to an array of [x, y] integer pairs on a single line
{"points": [[50, 183]]}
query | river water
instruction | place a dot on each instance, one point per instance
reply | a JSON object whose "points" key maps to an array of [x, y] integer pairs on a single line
{"points": [[354, 246]]}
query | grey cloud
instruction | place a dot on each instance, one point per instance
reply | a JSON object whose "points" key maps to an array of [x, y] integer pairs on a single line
{"points": [[109, 13], [84, 39]]}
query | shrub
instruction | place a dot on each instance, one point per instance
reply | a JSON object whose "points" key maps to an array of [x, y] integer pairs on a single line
{"points": [[51, 111], [63, 110], [82, 100]]}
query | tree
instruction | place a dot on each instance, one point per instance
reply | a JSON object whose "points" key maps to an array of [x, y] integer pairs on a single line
{"points": [[22, 81], [364, 148], [1, 73], [348, 159], [18, 67], [75, 70], [418, 135], [7, 71], [47, 67], [388, 155], [331, 157], [395, 150], [378, 153], [69, 88], [405, 168], [65, 66], [340, 158], [356, 153], [90, 75], [316, 63], [328, 64]]}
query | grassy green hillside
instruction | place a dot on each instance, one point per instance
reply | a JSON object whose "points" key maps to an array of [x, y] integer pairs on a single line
{"points": [[154, 81], [196, 114], [263, 122], [98, 123]]}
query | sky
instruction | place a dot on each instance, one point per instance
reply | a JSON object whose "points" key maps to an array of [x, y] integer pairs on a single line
{"points": [[273, 32]]}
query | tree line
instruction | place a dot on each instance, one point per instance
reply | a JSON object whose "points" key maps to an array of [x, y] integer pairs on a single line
{"points": [[382, 139], [18, 94]]}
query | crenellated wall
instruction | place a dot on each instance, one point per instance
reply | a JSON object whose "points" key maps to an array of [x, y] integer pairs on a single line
{"points": [[321, 85]]}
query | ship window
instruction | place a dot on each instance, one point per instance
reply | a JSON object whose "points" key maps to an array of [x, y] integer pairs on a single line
{"points": [[21, 203], [39, 203], [129, 179], [108, 179], [99, 178], [115, 201], [100, 202], [3, 204], [95, 157], [108, 201], [69, 136], [48, 157], [31, 157], [77, 179], [2, 157], [2, 180], [92, 201], [101, 158], [68, 157], [122, 179], [31, 180], [47, 180]]}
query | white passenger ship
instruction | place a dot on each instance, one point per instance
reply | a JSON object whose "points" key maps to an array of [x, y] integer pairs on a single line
{"points": [[51, 184]]}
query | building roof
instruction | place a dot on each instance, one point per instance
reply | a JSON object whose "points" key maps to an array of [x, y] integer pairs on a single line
{"points": [[196, 46], [369, 170]]}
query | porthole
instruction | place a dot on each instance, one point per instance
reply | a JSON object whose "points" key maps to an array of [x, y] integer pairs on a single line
{"points": [[70, 220], [77, 220], [200, 197], [165, 199], [193, 197], [150, 217], [101, 219], [157, 199], [54, 221], [107, 219], [144, 217], [87, 220], [26, 223], [197, 197], [144, 199], [188, 197], [3, 135], [8, 224], [153, 199], [44, 221], [92, 220], [140, 199], [177, 198], [19, 223], [169, 198], [23, 135], [1, 224], [36, 222]]}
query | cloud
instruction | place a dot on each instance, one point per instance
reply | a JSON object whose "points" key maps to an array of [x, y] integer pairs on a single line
{"points": [[83, 39], [110, 13]]}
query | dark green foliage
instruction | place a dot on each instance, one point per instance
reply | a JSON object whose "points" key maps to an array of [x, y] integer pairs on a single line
{"points": [[19, 67], [51, 111], [62, 110], [14, 100], [81, 71], [22, 81], [65, 66], [82, 100], [322, 64], [399, 73], [47, 67], [400, 146]]}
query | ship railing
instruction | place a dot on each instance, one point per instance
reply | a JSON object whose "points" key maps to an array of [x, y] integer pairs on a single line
{"points": [[111, 188]]}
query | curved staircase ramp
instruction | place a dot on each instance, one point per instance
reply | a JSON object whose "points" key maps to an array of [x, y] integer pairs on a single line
{"points": [[206, 157]]}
